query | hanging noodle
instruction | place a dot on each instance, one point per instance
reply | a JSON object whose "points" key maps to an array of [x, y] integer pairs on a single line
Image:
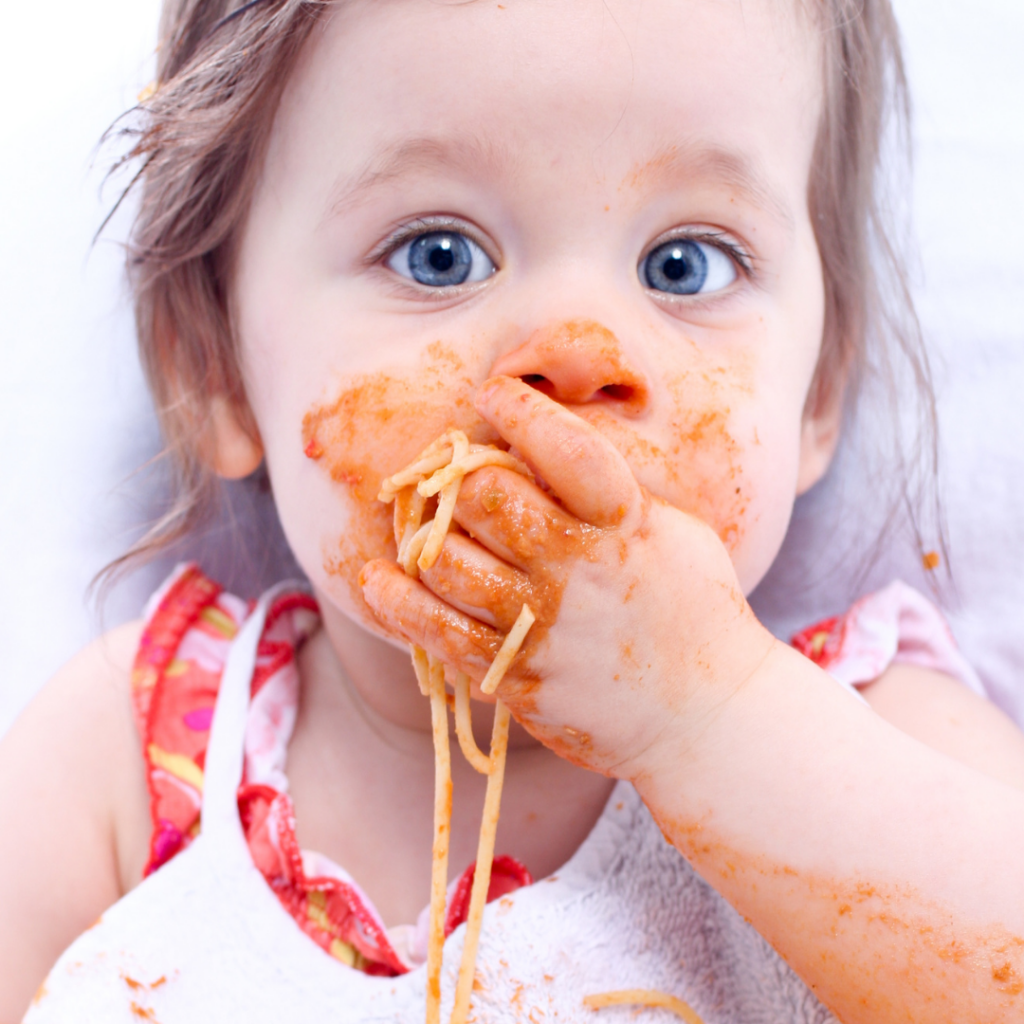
{"points": [[442, 834], [464, 727], [644, 997], [439, 471]]}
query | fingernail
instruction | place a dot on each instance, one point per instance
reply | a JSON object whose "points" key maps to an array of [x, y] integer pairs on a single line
{"points": [[493, 384], [486, 392]]}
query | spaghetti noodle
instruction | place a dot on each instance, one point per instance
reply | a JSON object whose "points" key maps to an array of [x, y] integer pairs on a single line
{"points": [[438, 472], [644, 997]]}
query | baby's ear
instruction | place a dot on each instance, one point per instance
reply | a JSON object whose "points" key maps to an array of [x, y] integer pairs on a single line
{"points": [[231, 446], [819, 435]]}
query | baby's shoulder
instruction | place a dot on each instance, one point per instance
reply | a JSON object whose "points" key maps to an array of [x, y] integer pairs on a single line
{"points": [[77, 740], [73, 811], [82, 717]]}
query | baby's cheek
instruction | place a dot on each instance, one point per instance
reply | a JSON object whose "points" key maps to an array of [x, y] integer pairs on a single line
{"points": [[696, 463], [724, 451], [374, 425], [367, 535]]}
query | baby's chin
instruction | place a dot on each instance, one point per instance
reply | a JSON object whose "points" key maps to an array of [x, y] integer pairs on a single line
{"points": [[344, 610]]}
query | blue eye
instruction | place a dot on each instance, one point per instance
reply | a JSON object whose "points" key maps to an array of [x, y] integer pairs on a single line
{"points": [[441, 259], [687, 267]]}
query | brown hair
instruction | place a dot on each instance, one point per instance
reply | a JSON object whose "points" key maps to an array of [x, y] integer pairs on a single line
{"points": [[200, 141], [871, 327]]}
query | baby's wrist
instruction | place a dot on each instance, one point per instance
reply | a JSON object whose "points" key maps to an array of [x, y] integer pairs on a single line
{"points": [[706, 696]]}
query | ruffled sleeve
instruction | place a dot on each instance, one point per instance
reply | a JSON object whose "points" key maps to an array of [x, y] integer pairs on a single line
{"points": [[897, 625]]}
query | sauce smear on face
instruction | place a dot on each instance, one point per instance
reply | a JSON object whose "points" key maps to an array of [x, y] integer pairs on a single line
{"points": [[377, 422]]}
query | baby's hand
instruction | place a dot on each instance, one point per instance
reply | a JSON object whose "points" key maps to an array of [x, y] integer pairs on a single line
{"points": [[642, 629]]}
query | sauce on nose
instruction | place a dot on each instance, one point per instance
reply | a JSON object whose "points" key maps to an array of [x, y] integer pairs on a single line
{"points": [[576, 362]]}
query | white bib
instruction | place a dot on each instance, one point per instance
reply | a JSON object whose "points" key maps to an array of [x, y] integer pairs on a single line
{"points": [[204, 939]]}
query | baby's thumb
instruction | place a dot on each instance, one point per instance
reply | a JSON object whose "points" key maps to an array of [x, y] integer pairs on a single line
{"points": [[583, 468]]}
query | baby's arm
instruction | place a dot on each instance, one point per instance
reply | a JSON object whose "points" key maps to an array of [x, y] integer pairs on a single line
{"points": [[884, 871], [942, 713], [73, 813]]}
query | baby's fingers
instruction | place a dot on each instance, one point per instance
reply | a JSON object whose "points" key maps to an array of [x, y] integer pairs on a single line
{"points": [[581, 466], [513, 518], [469, 577], [407, 609]]}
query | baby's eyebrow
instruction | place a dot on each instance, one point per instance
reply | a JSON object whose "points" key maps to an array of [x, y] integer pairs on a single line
{"points": [[699, 162], [418, 154], [672, 166]]}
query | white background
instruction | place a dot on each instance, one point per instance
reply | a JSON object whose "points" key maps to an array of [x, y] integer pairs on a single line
{"points": [[75, 422]]}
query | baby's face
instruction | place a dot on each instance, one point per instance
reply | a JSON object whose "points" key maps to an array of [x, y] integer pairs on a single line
{"points": [[607, 198]]}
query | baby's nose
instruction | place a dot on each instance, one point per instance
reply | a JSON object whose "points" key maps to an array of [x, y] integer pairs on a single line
{"points": [[577, 362]]}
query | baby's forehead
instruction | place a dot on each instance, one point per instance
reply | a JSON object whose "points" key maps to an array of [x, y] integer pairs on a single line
{"points": [[598, 48], [534, 83]]}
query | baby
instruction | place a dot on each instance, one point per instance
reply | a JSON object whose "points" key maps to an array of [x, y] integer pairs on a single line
{"points": [[627, 241]]}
